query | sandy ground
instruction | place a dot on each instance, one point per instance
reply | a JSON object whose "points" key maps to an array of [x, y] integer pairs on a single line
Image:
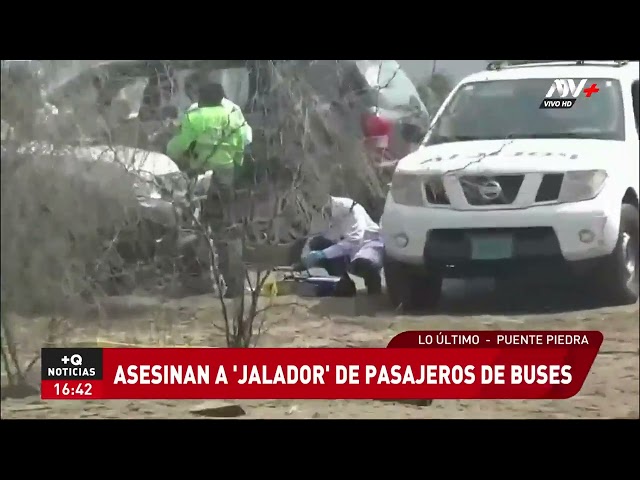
{"points": [[611, 390]]}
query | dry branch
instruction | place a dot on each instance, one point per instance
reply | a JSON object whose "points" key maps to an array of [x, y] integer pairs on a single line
{"points": [[62, 215]]}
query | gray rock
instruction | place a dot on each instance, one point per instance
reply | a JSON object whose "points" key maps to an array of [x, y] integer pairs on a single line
{"points": [[19, 391], [218, 409], [414, 402]]}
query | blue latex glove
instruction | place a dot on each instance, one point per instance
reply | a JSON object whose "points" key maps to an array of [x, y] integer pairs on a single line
{"points": [[313, 258]]}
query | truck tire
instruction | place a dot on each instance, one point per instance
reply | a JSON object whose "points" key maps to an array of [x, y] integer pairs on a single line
{"points": [[616, 279], [411, 288]]}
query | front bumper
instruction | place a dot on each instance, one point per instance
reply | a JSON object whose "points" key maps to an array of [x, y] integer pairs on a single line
{"points": [[414, 235]]}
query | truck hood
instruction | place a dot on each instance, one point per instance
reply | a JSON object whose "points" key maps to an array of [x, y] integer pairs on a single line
{"points": [[513, 156], [133, 159], [134, 164]]}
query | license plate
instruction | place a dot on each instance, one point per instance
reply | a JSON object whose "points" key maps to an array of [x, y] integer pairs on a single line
{"points": [[491, 247]]}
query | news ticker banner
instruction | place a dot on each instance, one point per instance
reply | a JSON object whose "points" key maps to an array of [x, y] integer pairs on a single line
{"points": [[415, 365]]}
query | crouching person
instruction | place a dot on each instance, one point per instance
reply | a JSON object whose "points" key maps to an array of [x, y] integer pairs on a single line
{"points": [[350, 244]]}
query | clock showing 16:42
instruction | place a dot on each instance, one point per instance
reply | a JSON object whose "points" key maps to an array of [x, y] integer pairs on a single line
{"points": [[71, 373]]}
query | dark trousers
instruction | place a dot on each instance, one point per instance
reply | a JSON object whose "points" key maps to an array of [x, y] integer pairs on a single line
{"points": [[340, 266], [226, 236]]}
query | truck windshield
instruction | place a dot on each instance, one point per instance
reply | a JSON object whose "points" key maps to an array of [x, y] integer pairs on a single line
{"points": [[511, 109]]}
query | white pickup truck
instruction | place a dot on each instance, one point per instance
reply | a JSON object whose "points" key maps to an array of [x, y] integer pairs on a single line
{"points": [[505, 185]]}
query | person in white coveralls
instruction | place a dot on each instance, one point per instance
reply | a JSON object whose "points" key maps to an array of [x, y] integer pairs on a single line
{"points": [[350, 243]]}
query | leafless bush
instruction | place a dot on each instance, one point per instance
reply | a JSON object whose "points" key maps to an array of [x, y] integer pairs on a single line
{"points": [[56, 214], [316, 159], [61, 215]]}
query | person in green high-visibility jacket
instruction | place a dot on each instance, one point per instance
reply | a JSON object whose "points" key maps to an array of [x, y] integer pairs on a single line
{"points": [[210, 138], [192, 87], [247, 131], [247, 172]]}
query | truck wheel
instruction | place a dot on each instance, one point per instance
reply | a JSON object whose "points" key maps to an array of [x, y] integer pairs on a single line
{"points": [[617, 277], [411, 288], [197, 284], [196, 265]]}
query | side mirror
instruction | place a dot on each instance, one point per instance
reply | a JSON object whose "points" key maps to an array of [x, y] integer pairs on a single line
{"points": [[412, 133]]}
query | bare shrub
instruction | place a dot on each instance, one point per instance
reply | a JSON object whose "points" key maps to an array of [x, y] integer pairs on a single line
{"points": [[62, 214], [315, 158], [56, 214]]}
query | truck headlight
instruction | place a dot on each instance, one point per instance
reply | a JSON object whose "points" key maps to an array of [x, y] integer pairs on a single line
{"points": [[582, 185], [406, 189]]}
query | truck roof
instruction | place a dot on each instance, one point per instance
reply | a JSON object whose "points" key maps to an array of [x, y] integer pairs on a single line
{"points": [[558, 69]]}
